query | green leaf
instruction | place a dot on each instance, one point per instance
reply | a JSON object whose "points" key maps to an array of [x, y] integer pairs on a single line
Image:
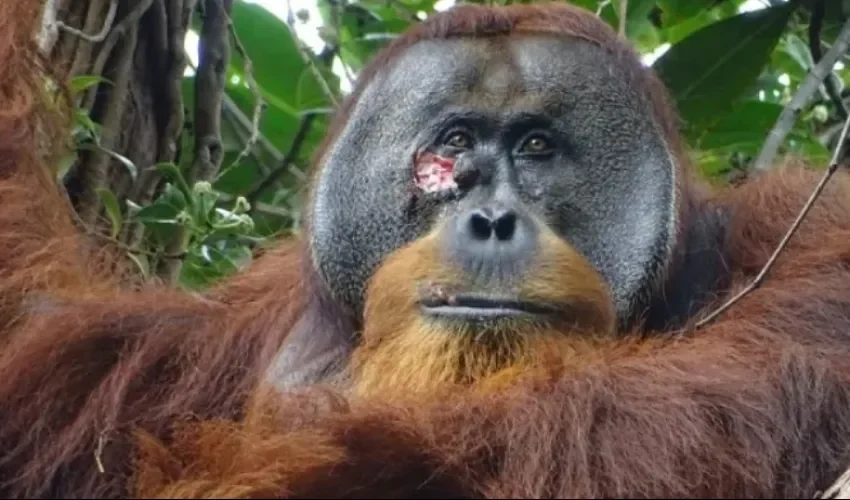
{"points": [[65, 163], [744, 130], [711, 69], [209, 263], [128, 164], [113, 209], [161, 215], [676, 11], [809, 148], [795, 47], [278, 125], [83, 82], [142, 263], [277, 61], [280, 129], [173, 173], [637, 18], [674, 33], [364, 31], [133, 208], [713, 165], [83, 120]]}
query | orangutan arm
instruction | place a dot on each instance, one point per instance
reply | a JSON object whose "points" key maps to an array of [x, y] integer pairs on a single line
{"points": [[77, 380]]}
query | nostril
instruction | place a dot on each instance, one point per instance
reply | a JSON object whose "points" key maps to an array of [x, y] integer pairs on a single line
{"points": [[480, 226], [505, 225]]}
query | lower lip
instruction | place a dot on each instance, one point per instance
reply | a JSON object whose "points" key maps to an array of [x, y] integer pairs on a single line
{"points": [[462, 312]]}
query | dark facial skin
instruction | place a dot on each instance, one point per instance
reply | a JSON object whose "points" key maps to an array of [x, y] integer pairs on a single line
{"points": [[542, 131]]}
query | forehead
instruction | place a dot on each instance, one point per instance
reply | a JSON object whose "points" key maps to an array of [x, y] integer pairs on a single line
{"points": [[528, 71]]}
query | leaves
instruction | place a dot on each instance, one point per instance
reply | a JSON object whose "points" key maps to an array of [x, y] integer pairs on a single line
{"points": [[83, 82], [123, 160], [711, 69], [277, 66], [113, 209]]}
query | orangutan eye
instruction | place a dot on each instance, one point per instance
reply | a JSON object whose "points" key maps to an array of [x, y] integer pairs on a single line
{"points": [[459, 140], [536, 144]]}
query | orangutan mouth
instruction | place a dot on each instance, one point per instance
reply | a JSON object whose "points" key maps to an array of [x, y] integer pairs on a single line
{"points": [[435, 301]]}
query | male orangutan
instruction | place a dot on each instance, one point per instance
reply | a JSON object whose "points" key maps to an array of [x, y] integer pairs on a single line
{"points": [[505, 252]]}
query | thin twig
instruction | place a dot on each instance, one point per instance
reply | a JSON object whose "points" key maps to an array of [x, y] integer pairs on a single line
{"points": [[839, 489], [49, 27], [307, 58], [107, 25], [815, 27], [82, 51], [98, 452], [231, 109], [833, 167], [177, 18], [130, 19], [67, 46], [259, 102], [242, 132], [809, 86], [294, 150], [623, 9]]}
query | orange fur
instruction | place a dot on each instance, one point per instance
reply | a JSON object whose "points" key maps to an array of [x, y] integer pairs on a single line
{"points": [[404, 355]]}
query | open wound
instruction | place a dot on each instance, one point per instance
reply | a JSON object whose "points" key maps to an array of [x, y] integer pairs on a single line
{"points": [[434, 173]]}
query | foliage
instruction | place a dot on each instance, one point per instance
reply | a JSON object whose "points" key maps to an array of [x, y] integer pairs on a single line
{"points": [[730, 71]]}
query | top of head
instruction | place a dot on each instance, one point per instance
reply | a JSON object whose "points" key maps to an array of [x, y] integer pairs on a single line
{"points": [[607, 184]]}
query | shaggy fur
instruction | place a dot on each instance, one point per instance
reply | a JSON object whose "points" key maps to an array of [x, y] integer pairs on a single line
{"points": [[404, 355], [109, 391]]}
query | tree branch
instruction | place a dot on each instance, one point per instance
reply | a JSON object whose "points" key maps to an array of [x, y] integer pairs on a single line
{"points": [[179, 18], [130, 20], [839, 489], [809, 86], [213, 59], [304, 51], [107, 25], [623, 12], [49, 33], [93, 175], [232, 110], [285, 163], [176, 15], [259, 102], [83, 54], [759, 279], [815, 27]]}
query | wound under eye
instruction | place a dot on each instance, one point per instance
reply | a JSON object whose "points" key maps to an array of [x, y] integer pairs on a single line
{"points": [[434, 173]]}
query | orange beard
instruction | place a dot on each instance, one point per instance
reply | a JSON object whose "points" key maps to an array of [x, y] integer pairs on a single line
{"points": [[405, 354]]}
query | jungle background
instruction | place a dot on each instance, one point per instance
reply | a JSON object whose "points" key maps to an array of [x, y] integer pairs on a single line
{"points": [[195, 120]]}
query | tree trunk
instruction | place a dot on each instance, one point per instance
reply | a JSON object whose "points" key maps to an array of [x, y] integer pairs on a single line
{"points": [[138, 47]]}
